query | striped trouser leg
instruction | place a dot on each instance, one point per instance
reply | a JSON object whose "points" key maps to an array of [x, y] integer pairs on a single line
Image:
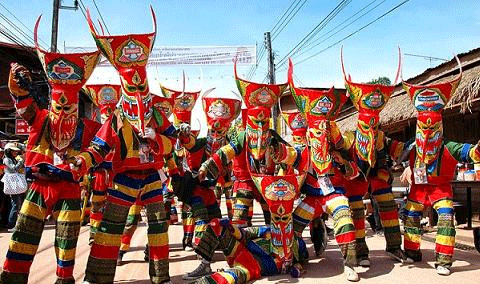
{"points": [[243, 204], [445, 239], [228, 199], [131, 225], [158, 248], [233, 275], [102, 261], [266, 212], [205, 208], [26, 237], [188, 224], [96, 212], [304, 213], [388, 215], [412, 236], [337, 205], [67, 213], [358, 217]]}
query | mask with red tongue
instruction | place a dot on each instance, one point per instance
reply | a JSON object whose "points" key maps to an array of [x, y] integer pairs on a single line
{"points": [[66, 75], [321, 108], [369, 100], [259, 99], [129, 55], [429, 101], [220, 113], [105, 97]]}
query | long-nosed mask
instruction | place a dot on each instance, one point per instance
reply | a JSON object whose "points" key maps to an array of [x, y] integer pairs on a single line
{"points": [[220, 113], [259, 99], [66, 75], [105, 97], [429, 101], [320, 108], [369, 100], [280, 193], [129, 55]]}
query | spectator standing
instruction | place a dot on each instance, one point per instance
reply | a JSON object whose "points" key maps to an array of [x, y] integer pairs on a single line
{"points": [[15, 184]]}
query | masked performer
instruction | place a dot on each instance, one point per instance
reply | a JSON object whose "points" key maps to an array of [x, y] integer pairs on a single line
{"points": [[183, 103], [220, 113], [433, 165], [325, 183], [56, 136], [298, 125], [139, 136], [105, 97], [370, 149], [260, 251]]}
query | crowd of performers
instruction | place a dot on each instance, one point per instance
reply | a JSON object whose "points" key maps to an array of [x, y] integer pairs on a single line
{"points": [[136, 159]]}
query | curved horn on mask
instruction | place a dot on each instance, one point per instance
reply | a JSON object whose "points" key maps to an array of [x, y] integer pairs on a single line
{"points": [[459, 67], [91, 25], [154, 22], [35, 35], [290, 73], [343, 67], [399, 69]]}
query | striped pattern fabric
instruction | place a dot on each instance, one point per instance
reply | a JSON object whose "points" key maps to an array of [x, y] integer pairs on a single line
{"points": [[227, 189], [337, 206], [101, 182], [445, 239], [244, 194], [205, 209], [188, 223], [131, 225], [382, 193], [126, 189], [42, 198]]}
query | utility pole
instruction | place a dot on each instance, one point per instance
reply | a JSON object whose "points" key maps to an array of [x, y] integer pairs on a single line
{"points": [[57, 5], [271, 78], [56, 8]]}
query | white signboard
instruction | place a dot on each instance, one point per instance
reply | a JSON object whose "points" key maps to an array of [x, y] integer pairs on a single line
{"points": [[193, 55]]}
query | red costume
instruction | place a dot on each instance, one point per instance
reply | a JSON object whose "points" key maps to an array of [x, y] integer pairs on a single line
{"points": [[56, 136]]}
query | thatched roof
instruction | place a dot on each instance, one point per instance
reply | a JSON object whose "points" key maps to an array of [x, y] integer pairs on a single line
{"points": [[400, 108]]}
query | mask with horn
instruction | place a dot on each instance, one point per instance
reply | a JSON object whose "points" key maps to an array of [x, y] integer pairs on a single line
{"points": [[259, 99], [66, 75], [429, 101], [294, 119], [220, 113], [320, 108], [105, 97], [164, 104], [369, 100], [129, 55], [183, 103]]}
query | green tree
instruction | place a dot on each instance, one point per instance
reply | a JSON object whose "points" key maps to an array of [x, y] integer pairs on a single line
{"points": [[381, 80]]}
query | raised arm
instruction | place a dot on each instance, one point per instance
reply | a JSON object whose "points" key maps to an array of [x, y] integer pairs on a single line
{"points": [[464, 152], [20, 85]]}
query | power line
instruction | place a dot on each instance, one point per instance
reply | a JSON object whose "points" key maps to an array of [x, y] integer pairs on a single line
{"points": [[350, 35], [315, 30], [101, 17], [83, 9], [319, 41], [279, 30], [15, 17], [281, 18], [15, 27]]}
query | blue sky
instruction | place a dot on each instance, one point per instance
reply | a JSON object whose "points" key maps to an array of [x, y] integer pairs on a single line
{"points": [[425, 27]]}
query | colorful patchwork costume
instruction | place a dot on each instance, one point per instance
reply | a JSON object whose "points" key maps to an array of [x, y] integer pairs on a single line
{"points": [[371, 149], [56, 136], [220, 113], [139, 136], [433, 164], [325, 183], [105, 97]]}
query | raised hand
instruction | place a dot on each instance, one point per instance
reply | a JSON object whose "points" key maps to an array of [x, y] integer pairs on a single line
{"points": [[19, 80]]}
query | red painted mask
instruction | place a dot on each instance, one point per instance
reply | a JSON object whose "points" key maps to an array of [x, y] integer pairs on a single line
{"points": [[369, 100], [294, 119], [129, 55], [164, 104], [183, 103], [321, 108], [66, 75], [259, 99], [429, 101], [104, 96]]}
